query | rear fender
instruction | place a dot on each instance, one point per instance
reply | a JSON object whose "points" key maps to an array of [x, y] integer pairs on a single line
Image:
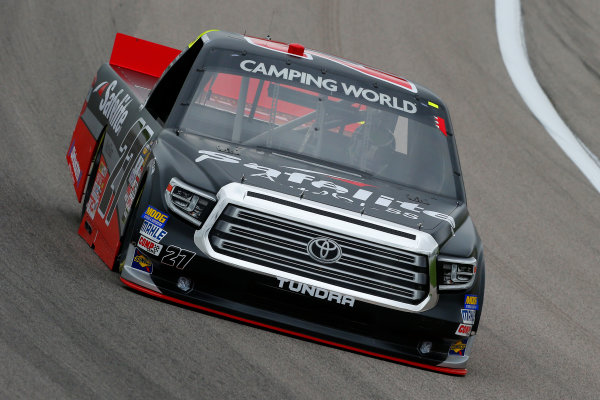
{"points": [[83, 145], [115, 187], [114, 102], [130, 53]]}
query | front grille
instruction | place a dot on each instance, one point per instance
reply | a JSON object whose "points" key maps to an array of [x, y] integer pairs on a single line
{"points": [[281, 244]]}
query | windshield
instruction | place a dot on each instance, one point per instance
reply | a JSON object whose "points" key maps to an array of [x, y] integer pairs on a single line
{"points": [[309, 114]]}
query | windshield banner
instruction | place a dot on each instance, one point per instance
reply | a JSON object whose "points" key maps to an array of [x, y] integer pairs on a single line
{"points": [[328, 84]]}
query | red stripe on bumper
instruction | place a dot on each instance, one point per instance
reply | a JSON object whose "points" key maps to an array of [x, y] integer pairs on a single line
{"points": [[445, 370]]}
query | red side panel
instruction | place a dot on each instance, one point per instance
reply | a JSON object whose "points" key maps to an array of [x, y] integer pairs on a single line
{"points": [[141, 55], [103, 237], [79, 155], [95, 237]]}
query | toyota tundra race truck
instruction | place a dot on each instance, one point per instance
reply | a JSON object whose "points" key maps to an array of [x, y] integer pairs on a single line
{"points": [[284, 188]]}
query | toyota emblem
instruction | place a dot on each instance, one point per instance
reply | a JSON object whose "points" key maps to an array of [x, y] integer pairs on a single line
{"points": [[324, 250]]}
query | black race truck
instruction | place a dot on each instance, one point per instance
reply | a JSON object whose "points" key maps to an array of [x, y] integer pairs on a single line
{"points": [[284, 188]]}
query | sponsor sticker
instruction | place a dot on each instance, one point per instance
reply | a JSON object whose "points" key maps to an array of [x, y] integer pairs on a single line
{"points": [[150, 246], [141, 262], [152, 231], [311, 181], [471, 302], [464, 330], [133, 181], [98, 189], [458, 348], [155, 217], [331, 85], [468, 316], [75, 164], [114, 104]]}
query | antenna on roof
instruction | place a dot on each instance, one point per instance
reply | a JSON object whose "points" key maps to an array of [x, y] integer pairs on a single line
{"points": [[268, 37], [244, 32]]}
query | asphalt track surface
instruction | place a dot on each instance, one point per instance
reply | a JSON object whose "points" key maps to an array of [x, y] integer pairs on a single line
{"points": [[68, 327]]}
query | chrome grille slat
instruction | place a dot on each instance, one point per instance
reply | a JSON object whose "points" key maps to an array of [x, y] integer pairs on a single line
{"points": [[404, 275], [316, 266], [271, 222], [378, 265], [281, 244], [348, 260], [311, 232], [236, 230], [400, 291], [383, 253], [301, 251]]}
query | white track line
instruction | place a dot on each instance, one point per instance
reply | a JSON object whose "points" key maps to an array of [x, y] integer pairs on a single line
{"points": [[509, 27]]}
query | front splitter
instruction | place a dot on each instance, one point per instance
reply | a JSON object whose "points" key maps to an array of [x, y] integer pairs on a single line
{"points": [[155, 293]]}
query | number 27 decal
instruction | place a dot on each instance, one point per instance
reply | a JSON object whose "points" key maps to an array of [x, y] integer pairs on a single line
{"points": [[177, 257]]}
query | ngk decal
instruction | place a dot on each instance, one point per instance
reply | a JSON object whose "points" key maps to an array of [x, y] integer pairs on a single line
{"points": [[313, 182], [330, 85], [113, 106]]}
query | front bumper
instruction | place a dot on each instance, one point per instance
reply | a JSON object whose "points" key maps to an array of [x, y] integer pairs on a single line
{"points": [[257, 300], [249, 294]]}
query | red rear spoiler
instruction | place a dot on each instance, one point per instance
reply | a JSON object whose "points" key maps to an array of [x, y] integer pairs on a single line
{"points": [[141, 55]]}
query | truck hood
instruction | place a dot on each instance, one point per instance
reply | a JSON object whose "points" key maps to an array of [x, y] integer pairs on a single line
{"points": [[209, 165]]}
